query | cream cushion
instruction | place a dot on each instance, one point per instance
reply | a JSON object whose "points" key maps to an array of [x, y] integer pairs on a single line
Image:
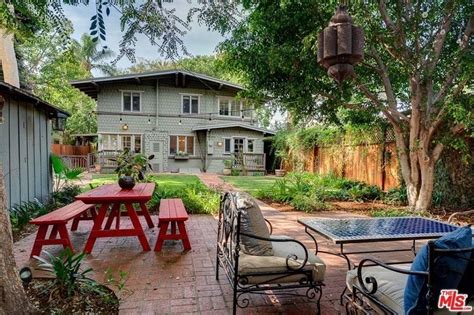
{"points": [[391, 286], [250, 264]]}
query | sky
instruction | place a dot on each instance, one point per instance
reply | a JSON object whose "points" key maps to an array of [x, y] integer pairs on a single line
{"points": [[198, 41]]}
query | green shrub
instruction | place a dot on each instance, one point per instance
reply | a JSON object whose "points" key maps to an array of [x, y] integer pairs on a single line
{"points": [[66, 195], [309, 192], [396, 196], [390, 213], [24, 212]]}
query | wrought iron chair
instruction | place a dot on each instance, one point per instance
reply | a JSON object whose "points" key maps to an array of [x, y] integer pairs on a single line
{"points": [[377, 286], [292, 266]]}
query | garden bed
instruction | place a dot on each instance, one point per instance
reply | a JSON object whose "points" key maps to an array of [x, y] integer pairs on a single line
{"points": [[88, 299]]}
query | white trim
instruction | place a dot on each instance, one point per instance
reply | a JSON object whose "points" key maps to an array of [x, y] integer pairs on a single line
{"points": [[230, 145], [229, 107], [119, 135], [190, 103], [232, 125], [247, 145], [192, 94], [136, 91], [131, 101]]}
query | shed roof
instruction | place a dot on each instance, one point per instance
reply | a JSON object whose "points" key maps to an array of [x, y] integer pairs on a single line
{"points": [[178, 78], [233, 125], [53, 111]]}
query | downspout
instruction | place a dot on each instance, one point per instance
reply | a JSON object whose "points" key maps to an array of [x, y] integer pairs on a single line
{"points": [[157, 101]]}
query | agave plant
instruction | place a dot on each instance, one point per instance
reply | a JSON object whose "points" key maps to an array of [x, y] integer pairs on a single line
{"points": [[66, 269]]}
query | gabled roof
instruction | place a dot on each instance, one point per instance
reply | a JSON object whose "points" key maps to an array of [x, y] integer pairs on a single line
{"points": [[178, 78], [233, 125], [53, 111]]}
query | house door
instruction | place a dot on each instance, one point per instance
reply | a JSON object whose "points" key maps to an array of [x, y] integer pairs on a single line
{"points": [[157, 150], [239, 146]]}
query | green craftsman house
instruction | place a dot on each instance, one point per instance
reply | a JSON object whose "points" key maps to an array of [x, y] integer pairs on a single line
{"points": [[188, 121]]}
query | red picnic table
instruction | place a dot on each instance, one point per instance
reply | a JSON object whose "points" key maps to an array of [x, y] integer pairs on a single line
{"points": [[112, 196]]}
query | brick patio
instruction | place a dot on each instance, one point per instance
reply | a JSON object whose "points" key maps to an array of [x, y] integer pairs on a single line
{"points": [[171, 282]]}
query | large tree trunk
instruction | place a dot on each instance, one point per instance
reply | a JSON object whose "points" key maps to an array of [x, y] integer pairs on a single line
{"points": [[13, 299]]}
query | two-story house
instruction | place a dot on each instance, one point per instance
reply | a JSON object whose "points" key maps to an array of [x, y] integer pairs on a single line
{"points": [[186, 120]]}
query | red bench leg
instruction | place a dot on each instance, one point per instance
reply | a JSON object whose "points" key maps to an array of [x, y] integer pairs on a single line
{"points": [[184, 235], [40, 237], [75, 222], [54, 232], [65, 237], [161, 235]]}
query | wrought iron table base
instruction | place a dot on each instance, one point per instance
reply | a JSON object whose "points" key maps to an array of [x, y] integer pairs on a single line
{"points": [[345, 255]]}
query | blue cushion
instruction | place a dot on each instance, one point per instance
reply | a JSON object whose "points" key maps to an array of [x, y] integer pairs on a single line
{"points": [[447, 270]]}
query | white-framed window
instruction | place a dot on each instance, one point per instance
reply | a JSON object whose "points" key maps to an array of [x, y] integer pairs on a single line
{"points": [[228, 145], [131, 101], [119, 142], [239, 145], [250, 145], [179, 143], [229, 106], [190, 104]]}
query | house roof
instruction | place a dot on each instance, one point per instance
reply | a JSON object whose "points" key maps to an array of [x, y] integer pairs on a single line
{"points": [[177, 78], [53, 111], [232, 125]]}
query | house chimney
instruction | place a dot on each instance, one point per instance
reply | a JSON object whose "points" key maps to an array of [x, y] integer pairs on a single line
{"points": [[8, 63]]}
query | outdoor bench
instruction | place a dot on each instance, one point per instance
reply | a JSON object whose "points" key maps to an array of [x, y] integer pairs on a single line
{"points": [[380, 287], [256, 262], [57, 220], [172, 212]]}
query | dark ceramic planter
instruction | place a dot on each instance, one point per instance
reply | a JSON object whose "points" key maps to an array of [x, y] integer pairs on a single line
{"points": [[126, 182]]}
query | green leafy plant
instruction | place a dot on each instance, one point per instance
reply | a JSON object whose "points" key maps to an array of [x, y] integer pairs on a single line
{"points": [[24, 212], [134, 165], [62, 173], [182, 154], [67, 271], [227, 163], [235, 172], [119, 283], [66, 195]]}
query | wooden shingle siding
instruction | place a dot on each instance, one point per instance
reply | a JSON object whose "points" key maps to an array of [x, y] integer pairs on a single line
{"points": [[25, 139]]}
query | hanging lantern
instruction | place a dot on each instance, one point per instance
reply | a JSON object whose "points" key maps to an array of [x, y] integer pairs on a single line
{"points": [[340, 46]]}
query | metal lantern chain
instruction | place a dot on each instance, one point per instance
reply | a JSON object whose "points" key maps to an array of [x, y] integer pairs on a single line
{"points": [[340, 46]]}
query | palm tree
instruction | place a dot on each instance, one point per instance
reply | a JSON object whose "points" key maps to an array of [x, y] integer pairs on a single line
{"points": [[94, 57]]}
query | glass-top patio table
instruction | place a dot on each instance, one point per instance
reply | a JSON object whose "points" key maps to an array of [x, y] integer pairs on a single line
{"points": [[369, 230]]}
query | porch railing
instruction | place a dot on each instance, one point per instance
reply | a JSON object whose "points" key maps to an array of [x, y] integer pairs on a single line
{"points": [[250, 161], [76, 161]]}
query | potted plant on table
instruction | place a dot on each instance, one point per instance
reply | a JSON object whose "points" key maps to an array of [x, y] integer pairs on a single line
{"points": [[131, 168]]}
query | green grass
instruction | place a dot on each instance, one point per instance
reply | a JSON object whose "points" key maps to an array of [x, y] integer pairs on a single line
{"points": [[250, 184], [174, 181]]}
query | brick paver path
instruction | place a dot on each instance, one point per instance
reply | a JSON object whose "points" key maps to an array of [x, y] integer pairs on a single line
{"points": [[175, 282]]}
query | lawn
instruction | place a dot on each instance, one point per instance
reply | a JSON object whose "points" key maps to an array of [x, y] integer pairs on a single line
{"points": [[250, 184], [175, 181]]}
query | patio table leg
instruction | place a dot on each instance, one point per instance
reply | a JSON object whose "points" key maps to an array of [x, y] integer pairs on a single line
{"points": [[96, 228], [146, 214], [138, 228], [114, 213]]}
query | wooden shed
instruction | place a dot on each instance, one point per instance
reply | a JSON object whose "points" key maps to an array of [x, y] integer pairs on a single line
{"points": [[25, 142]]}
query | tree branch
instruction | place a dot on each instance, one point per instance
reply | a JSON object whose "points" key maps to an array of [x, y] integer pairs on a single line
{"points": [[399, 35]]}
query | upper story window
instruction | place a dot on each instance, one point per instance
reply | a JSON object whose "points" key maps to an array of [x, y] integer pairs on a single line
{"points": [[190, 104], [229, 106], [131, 101]]}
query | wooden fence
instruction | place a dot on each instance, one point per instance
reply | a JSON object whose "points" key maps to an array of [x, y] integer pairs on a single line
{"points": [[66, 149], [375, 164]]}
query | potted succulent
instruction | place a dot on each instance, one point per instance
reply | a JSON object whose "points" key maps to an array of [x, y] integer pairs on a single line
{"points": [[280, 172], [227, 167], [131, 168]]}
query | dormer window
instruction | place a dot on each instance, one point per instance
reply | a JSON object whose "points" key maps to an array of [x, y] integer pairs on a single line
{"points": [[189, 104], [131, 101]]}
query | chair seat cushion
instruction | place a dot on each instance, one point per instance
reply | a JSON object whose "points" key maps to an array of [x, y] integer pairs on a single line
{"points": [[391, 285], [251, 265]]}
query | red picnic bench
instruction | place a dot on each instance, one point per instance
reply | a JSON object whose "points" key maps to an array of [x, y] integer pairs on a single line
{"points": [[58, 219], [172, 211]]}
